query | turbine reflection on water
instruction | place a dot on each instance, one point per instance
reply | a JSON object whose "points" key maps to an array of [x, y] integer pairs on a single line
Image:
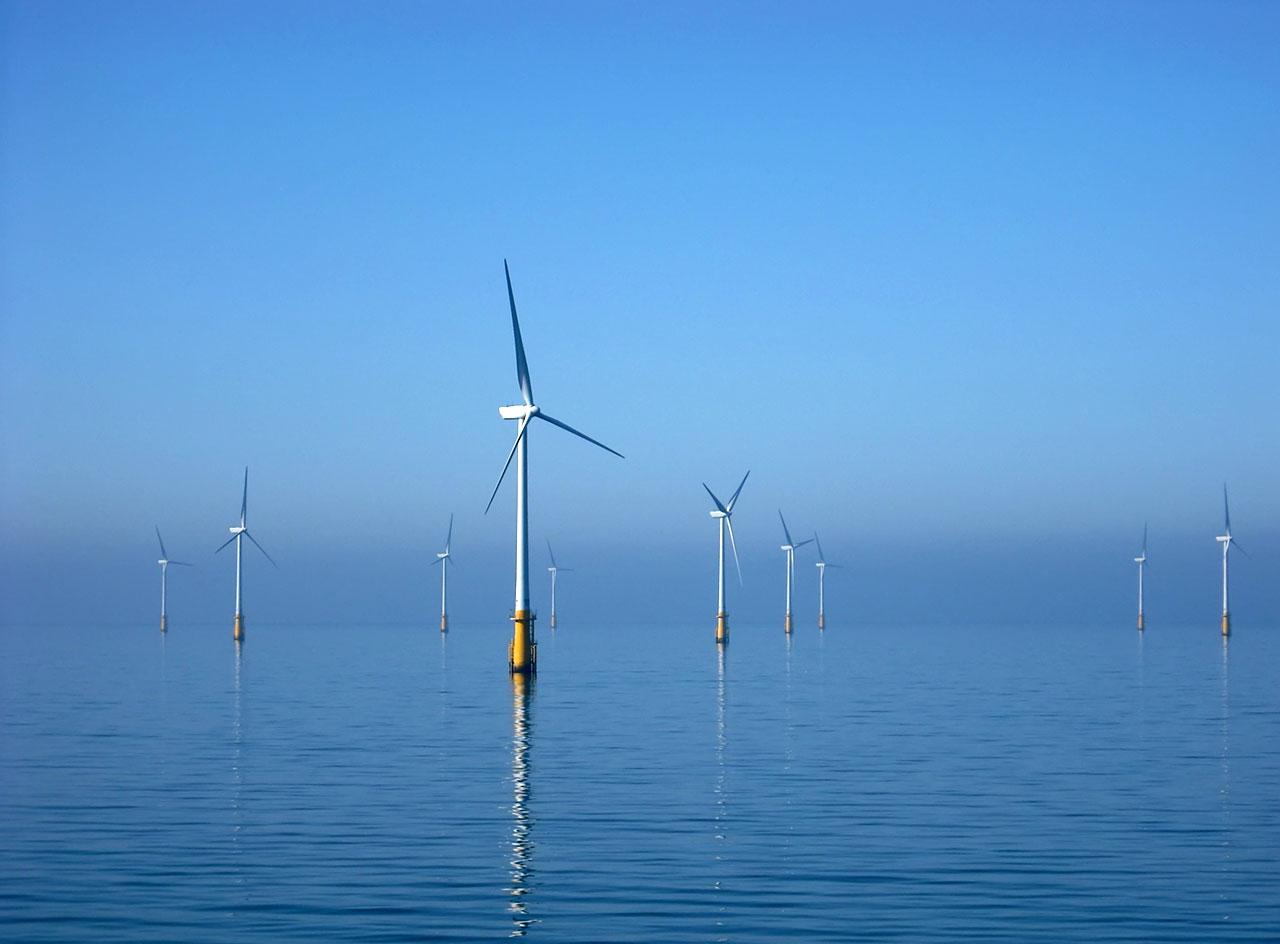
{"points": [[521, 840], [721, 812]]}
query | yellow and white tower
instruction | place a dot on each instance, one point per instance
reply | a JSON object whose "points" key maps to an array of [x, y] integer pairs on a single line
{"points": [[522, 653], [723, 512], [790, 549]]}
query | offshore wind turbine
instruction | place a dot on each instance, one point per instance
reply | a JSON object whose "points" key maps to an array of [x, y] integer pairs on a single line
{"points": [[442, 559], [822, 566], [724, 512], [554, 570], [1227, 540], [1142, 563], [164, 563], [238, 532], [790, 548], [522, 653]]}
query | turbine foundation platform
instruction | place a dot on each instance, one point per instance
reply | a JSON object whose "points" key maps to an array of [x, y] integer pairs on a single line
{"points": [[444, 623], [1140, 625], [822, 621], [553, 621], [722, 628], [164, 624], [788, 624], [522, 652], [238, 632], [1226, 624]]}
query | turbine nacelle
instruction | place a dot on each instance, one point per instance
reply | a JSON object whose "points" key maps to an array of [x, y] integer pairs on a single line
{"points": [[518, 412], [238, 529], [717, 513]]}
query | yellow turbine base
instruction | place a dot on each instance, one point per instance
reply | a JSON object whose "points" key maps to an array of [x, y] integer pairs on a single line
{"points": [[788, 622], [822, 621], [553, 621], [164, 625], [1226, 624], [444, 623], [522, 653], [238, 632], [1140, 626], [722, 628]]}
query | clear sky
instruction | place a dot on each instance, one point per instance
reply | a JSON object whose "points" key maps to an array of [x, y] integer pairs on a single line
{"points": [[973, 289]]}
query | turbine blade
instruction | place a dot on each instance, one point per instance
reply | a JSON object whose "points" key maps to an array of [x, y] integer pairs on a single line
{"points": [[555, 422], [436, 561], [163, 552], [449, 539], [822, 559], [1144, 539], [519, 433], [226, 542], [719, 506], [734, 497], [552, 554], [522, 366], [261, 548], [244, 498], [1241, 549], [784, 528], [182, 563], [733, 544]]}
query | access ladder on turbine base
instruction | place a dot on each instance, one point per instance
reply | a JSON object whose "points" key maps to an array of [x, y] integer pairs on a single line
{"points": [[522, 651]]}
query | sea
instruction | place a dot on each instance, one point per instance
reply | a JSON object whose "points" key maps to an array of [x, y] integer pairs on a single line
{"points": [[859, 783]]}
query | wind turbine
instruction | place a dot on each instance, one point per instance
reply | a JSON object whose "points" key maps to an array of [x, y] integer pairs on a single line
{"points": [[822, 566], [443, 560], [238, 532], [1227, 540], [1142, 563], [554, 570], [164, 563], [522, 654], [724, 512], [790, 548]]}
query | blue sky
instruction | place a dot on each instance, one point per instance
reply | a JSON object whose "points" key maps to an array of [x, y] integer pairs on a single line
{"points": [[983, 285]]}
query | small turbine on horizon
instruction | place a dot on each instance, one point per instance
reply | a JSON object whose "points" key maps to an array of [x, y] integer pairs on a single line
{"points": [[238, 532], [522, 654], [790, 548], [1227, 540], [822, 566], [1142, 563], [724, 512], [442, 559], [164, 563], [554, 570]]}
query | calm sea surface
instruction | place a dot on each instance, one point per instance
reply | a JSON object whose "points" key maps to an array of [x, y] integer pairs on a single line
{"points": [[382, 783]]}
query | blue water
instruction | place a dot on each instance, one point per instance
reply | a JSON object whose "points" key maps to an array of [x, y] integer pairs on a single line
{"points": [[382, 783]]}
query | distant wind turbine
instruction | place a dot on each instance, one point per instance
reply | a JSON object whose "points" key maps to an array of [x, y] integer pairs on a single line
{"points": [[554, 570], [790, 548], [724, 512], [1142, 563], [238, 532], [443, 560], [1227, 540], [822, 566], [522, 654], [164, 563]]}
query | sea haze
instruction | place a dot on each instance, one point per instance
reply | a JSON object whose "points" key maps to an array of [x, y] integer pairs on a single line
{"points": [[388, 783]]}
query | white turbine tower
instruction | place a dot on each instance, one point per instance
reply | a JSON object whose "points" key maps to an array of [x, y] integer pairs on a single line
{"points": [[1227, 540], [238, 532], [724, 512], [164, 563], [1142, 563], [822, 566], [522, 654], [554, 570], [790, 548], [443, 560]]}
